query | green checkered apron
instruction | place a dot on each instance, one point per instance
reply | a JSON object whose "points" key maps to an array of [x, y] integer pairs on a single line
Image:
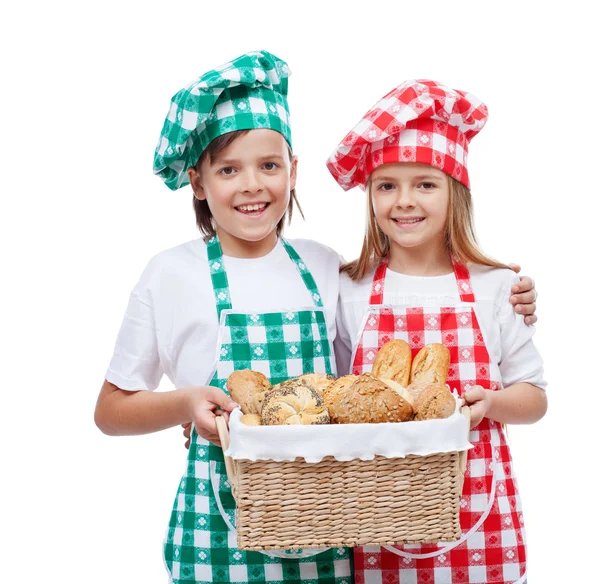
{"points": [[199, 546]]}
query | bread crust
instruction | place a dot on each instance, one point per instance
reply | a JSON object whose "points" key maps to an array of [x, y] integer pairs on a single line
{"points": [[244, 385], [318, 381], [294, 404], [251, 420], [430, 364], [393, 362], [337, 386], [369, 401], [435, 401]]}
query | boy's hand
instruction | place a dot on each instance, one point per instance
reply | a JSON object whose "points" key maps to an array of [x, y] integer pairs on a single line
{"points": [[524, 296], [203, 407], [479, 401]]}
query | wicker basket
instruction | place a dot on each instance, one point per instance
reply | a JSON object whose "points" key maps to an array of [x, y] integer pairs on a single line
{"points": [[384, 501]]}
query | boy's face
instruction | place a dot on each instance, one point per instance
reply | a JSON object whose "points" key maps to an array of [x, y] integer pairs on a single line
{"points": [[410, 202], [247, 188]]}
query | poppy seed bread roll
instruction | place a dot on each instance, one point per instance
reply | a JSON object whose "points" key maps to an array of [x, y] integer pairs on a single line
{"points": [[318, 381], [393, 362], [430, 365], [294, 404]]}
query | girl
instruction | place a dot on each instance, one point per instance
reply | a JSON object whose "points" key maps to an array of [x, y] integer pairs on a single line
{"points": [[421, 277], [242, 297]]}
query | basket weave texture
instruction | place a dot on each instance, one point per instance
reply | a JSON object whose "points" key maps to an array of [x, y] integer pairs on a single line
{"points": [[292, 505], [332, 503]]}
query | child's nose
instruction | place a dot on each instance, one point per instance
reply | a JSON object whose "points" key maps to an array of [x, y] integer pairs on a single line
{"points": [[253, 181], [404, 198]]}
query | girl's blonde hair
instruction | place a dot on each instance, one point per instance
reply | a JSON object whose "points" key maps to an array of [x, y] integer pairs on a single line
{"points": [[459, 235]]}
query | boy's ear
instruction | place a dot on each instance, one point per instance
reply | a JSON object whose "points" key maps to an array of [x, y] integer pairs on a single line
{"points": [[196, 183], [293, 172]]}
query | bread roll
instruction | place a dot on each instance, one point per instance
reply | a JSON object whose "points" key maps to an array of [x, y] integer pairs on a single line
{"points": [[250, 420], [244, 385], [318, 381], [416, 388], [430, 364], [435, 401], [401, 391], [338, 386], [393, 362], [294, 404], [257, 401], [369, 401]]}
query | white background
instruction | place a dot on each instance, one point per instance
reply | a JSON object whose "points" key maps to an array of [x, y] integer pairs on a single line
{"points": [[86, 87]]}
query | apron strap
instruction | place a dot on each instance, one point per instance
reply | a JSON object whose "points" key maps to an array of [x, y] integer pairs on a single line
{"points": [[220, 283], [461, 273], [463, 281], [218, 275], [307, 277], [378, 283]]}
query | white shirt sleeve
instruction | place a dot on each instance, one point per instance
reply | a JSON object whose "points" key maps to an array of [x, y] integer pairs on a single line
{"points": [[520, 361], [135, 364]]}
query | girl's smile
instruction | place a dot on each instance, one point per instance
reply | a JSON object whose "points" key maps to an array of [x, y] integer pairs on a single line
{"points": [[408, 222]]}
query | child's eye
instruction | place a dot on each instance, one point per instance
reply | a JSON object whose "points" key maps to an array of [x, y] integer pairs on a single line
{"points": [[227, 170], [428, 186], [385, 186], [270, 166]]}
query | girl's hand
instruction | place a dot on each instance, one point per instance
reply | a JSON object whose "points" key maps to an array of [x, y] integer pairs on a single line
{"points": [[524, 296], [187, 433], [203, 405], [479, 401]]}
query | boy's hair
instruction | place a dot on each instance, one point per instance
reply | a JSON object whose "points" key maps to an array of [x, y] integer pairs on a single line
{"points": [[459, 235], [204, 218]]}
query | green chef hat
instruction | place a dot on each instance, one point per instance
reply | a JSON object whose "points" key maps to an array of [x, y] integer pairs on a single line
{"points": [[249, 92]]}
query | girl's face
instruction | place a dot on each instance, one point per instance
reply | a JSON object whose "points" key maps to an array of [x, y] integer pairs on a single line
{"points": [[410, 202], [247, 188]]}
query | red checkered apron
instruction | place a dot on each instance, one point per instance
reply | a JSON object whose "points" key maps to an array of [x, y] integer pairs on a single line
{"points": [[492, 547]]}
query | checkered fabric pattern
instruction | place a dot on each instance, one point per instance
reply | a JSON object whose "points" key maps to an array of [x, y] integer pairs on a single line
{"points": [[494, 553], [199, 548], [247, 93], [418, 121]]}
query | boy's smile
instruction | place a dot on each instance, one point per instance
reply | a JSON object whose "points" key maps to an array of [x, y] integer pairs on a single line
{"points": [[247, 187]]}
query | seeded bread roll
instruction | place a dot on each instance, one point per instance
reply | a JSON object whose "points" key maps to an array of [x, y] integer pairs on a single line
{"points": [[430, 364], [244, 385], [435, 401], [338, 386], [401, 391], [250, 420], [318, 381], [294, 404], [369, 401], [393, 362]]}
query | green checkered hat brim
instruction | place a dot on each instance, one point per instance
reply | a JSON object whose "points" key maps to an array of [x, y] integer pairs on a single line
{"points": [[247, 93]]}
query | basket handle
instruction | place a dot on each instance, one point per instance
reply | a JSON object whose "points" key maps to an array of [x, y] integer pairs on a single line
{"points": [[225, 441], [462, 459]]}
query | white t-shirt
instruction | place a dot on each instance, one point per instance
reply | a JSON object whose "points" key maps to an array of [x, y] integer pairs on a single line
{"points": [[170, 326], [508, 338]]}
